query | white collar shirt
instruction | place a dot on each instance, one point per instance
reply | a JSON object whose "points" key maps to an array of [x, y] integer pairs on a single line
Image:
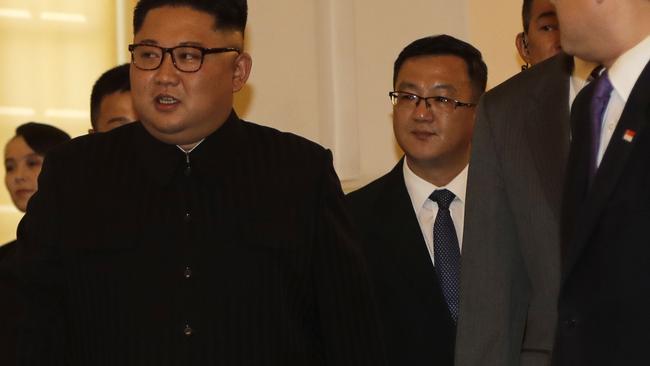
{"points": [[623, 74], [580, 77], [426, 210]]}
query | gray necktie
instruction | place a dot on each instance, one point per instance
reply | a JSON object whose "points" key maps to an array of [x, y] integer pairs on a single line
{"points": [[446, 251]]}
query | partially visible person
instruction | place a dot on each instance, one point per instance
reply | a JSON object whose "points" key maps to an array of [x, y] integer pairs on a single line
{"points": [[510, 276], [111, 105], [24, 154], [412, 217], [511, 270], [605, 290], [540, 38]]}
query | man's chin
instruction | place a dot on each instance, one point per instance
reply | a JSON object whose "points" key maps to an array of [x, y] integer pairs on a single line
{"points": [[170, 133]]}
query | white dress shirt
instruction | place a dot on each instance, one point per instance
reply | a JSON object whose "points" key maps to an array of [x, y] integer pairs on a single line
{"points": [[426, 210], [192, 148], [580, 77], [623, 74]]}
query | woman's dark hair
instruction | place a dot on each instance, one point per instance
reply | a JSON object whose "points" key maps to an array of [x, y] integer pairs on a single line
{"points": [[41, 137]]}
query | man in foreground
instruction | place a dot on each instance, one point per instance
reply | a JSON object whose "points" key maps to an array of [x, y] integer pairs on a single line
{"points": [[605, 289], [215, 241]]}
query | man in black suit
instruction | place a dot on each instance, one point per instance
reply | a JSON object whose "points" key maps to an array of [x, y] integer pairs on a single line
{"points": [[605, 285], [215, 241], [412, 218]]}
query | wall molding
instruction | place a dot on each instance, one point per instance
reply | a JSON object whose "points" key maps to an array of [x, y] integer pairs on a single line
{"points": [[338, 117]]}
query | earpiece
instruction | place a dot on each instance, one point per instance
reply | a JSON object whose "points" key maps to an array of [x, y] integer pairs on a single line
{"points": [[525, 40], [522, 47]]}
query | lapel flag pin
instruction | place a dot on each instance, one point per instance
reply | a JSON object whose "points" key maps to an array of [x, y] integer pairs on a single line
{"points": [[629, 135]]}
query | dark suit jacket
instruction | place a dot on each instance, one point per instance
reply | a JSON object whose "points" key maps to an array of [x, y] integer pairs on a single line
{"points": [[510, 271], [605, 295], [9, 310], [240, 253], [416, 325]]}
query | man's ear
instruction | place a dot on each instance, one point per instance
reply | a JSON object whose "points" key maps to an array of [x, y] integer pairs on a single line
{"points": [[522, 47], [243, 65]]}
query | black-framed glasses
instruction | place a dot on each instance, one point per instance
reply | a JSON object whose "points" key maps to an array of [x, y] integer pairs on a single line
{"points": [[184, 58], [409, 101]]}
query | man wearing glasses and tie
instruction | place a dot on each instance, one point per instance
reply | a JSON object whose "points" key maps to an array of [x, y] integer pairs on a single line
{"points": [[412, 218], [215, 241]]}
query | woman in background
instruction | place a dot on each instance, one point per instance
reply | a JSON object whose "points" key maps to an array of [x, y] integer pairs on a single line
{"points": [[24, 155]]}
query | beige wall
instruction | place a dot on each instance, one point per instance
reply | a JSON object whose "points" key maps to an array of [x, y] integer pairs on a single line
{"points": [[297, 44], [49, 63], [322, 68], [492, 27]]}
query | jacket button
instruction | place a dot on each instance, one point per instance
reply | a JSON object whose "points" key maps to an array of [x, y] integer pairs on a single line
{"points": [[571, 323], [187, 217], [188, 171], [188, 273], [188, 330]]}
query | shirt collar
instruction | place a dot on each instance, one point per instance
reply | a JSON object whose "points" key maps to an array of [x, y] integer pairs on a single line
{"points": [[626, 69], [582, 70], [192, 148], [580, 76], [419, 189], [216, 151]]}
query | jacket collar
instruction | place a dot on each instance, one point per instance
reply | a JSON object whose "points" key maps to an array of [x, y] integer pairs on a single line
{"points": [[219, 150]]}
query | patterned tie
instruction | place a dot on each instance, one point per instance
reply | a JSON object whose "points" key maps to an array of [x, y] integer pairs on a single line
{"points": [[446, 252], [602, 91]]}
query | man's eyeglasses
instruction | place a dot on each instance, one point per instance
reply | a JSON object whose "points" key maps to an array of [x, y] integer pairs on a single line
{"points": [[410, 101], [185, 58]]}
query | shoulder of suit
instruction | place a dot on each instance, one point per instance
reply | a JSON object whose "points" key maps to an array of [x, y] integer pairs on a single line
{"points": [[555, 67], [275, 136], [7, 248], [102, 138], [284, 152], [372, 191], [93, 146], [6, 252]]}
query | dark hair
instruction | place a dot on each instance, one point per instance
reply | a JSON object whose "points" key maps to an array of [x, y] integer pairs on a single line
{"points": [[447, 45], [526, 10], [112, 81], [228, 14], [41, 137]]}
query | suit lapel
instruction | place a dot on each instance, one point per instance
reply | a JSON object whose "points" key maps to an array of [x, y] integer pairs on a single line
{"points": [[635, 117], [547, 128], [401, 238]]}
